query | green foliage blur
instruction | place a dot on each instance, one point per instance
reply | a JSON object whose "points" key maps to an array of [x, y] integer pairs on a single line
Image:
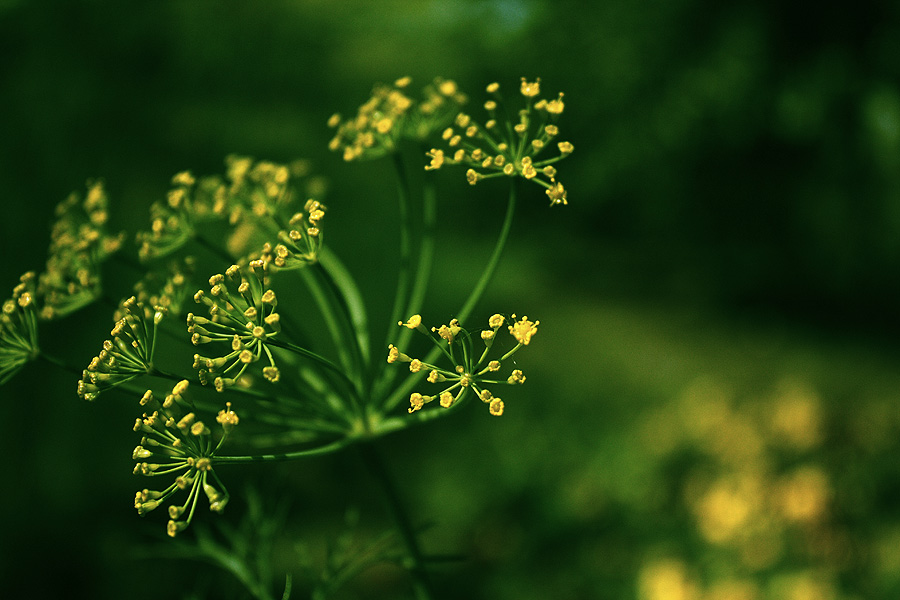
{"points": [[712, 410]]}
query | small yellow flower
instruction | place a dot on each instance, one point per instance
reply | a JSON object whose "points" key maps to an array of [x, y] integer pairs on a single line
{"points": [[523, 330], [530, 89], [417, 401], [557, 194], [437, 159], [394, 355], [516, 377], [556, 106], [496, 407], [414, 322], [448, 332], [227, 418], [447, 399]]}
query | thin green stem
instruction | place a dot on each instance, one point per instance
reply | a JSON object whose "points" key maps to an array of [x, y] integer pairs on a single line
{"points": [[318, 451], [352, 322], [375, 462], [165, 375], [58, 362], [403, 201], [346, 289], [395, 398], [420, 283], [321, 360], [494, 260], [313, 280], [213, 249]]}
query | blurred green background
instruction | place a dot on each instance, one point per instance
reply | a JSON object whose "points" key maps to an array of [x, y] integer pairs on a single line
{"points": [[712, 402]]}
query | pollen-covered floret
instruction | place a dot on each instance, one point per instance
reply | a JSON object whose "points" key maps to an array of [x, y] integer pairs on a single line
{"points": [[18, 328], [241, 315], [523, 330], [472, 370], [510, 149], [177, 443]]}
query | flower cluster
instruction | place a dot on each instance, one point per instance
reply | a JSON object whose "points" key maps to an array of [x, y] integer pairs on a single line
{"points": [[299, 244], [174, 222], [496, 148], [164, 287], [263, 200], [175, 442], [127, 355], [244, 317], [79, 242], [471, 370], [390, 115], [18, 328]]}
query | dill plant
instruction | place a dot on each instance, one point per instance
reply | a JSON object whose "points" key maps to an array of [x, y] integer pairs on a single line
{"points": [[254, 367]]}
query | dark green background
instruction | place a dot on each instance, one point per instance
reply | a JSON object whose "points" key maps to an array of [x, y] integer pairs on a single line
{"points": [[734, 217]]}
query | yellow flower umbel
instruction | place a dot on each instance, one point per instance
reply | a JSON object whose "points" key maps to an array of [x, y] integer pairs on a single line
{"points": [[177, 443], [299, 244], [79, 242], [18, 328], [471, 371], [266, 194], [174, 222], [165, 287], [390, 115], [243, 317], [128, 355], [498, 148]]}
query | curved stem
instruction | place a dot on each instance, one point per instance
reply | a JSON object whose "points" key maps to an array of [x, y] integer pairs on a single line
{"points": [[58, 362], [374, 461], [463, 313], [420, 283], [348, 292], [320, 450], [403, 195], [312, 278], [165, 375], [494, 260], [352, 323], [321, 360], [213, 249]]}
